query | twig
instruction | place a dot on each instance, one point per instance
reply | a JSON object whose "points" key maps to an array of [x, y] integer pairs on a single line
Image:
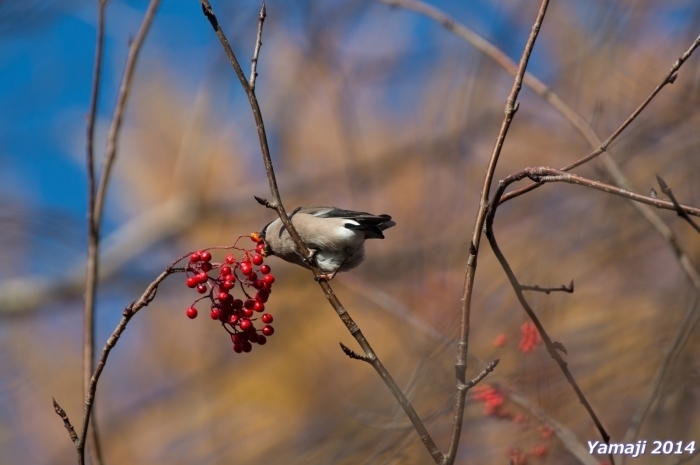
{"points": [[568, 289], [258, 44], [682, 334], [552, 346], [146, 298], [677, 206], [546, 174], [354, 355], [463, 344], [96, 208], [277, 205], [576, 120], [66, 422], [477, 379], [118, 116], [93, 233]]}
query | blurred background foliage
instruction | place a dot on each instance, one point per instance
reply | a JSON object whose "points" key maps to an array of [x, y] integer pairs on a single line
{"points": [[367, 107]]}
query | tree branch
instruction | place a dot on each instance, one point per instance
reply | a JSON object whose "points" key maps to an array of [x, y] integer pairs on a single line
{"points": [[277, 205], [463, 344], [93, 233]]}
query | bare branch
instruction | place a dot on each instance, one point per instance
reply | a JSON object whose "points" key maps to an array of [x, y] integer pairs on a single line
{"points": [[258, 44], [327, 290], [119, 108], [677, 206], [66, 422], [463, 344], [92, 233], [146, 298], [354, 355], [552, 346], [568, 289], [477, 379]]}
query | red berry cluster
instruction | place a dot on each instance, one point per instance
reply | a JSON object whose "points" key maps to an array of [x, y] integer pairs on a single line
{"points": [[491, 398], [529, 337], [235, 314]]}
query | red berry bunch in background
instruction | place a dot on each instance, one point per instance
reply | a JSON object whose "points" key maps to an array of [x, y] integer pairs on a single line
{"points": [[491, 398], [529, 337], [242, 317]]}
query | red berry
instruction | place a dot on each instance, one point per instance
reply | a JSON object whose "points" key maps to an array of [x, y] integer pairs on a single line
{"points": [[245, 324], [255, 237], [262, 340], [250, 303], [191, 313], [252, 276], [267, 318], [195, 257], [192, 282], [269, 279], [205, 256], [237, 304], [230, 277], [230, 259], [232, 319], [201, 288], [225, 270], [227, 285], [258, 307], [260, 247], [257, 260], [268, 330], [248, 312], [215, 313], [238, 348], [247, 347], [206, 266], [225, 297], [202, 277], [253, 337], [265, 269], [236, 338], [260, 297]]}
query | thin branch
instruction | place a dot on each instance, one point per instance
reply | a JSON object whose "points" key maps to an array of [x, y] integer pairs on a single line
{"points": [[477, 379], [568, 289], [119, 108], [552, 346], [258, 44], [463, 344], [93, 233], [145, 299], [96, 208], [354, 355], [576, 120], [277, 205], [677, 206], [66, 422]]}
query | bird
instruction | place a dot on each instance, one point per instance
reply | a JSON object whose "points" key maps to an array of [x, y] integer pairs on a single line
{"points": [[335, 237]]}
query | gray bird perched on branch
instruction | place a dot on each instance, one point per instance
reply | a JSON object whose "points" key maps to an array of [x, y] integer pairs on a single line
{"points": [[335, 237]]}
